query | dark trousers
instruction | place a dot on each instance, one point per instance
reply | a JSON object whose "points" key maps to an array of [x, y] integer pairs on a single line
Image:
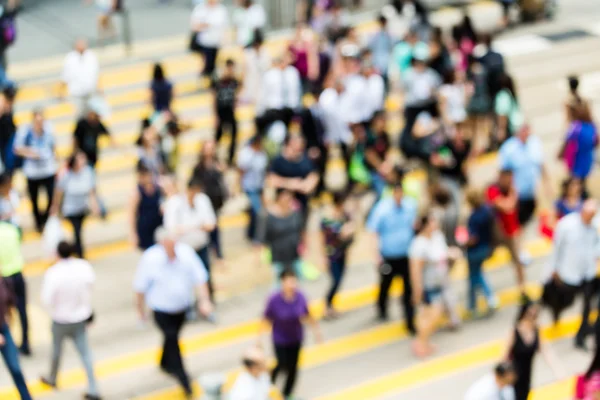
{"points": [[408, 143], [588, 290], [273, 115], [226, 117], [204, 255], [171, 361], [526, 209], [10, 354], [391, 268], [215, 241], [210, 59], [287, 361], [77, 223], [33, 187], [336, 269], [17, 282]]}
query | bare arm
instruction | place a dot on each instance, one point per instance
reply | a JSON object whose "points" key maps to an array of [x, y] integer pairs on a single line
{"points": [[417, 282], [314, 326], [308, 184], [140, 305], [57, 201], [132, 216], [551, 359]]}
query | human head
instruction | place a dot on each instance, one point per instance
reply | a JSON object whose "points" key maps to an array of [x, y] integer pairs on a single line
{"points": [[505, 179], [426, 225], [441, 195], [208, 150], [166, 239], [258, 38], [523, 131], [5, 184], [37, 121], [9, 93], [158, 74], [588, 210], [505, 373], [294, 145], [398, 192], [256, 142], [420, 56], [450, 77], [351, 57], [412, 36], [81, 45], [338, 85], [144, 173], [529, 312], [194, 187], [279, 62], [284, 199], [77, 161], [475, 198], [382, 21], [572, 187], [378, 122], [212, 2], [289, 281], [254, 361], [573, 81], [65, 250], [229, 67], [339, 199]]}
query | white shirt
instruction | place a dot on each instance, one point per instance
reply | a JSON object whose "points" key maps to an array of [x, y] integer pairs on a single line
{"points": [[254, 165], [67, 290], [247, 20], [248, 387], [217, 19], [376, 93], [280, 89], [486, 388], [293, 87], [168, 285], [46, 165], [454, 95], [81, 73], [336, 129], [178, 214], [354, 103], [575, 250]]}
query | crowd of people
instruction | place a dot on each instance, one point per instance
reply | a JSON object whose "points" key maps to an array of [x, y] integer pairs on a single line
{"points": [[322, 95]]}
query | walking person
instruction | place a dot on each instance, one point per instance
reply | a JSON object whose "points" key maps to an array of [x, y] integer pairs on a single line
{"points": [[392, 221], [209, 21], [495, 386], [67, 295], [338, 231], [81, 76], [161, 90], [253, 383], [253, 161], [76, 196], [36, 144], [226, 90], [581, 141], [572, 269], [479, 248], [89, 129], [248, 17], [287, 311], [523, 345], [169, 275], [145, 215], [8, 348], [11, 264]]}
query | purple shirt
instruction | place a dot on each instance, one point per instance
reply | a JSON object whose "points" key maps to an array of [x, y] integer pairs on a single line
{"points": [[286, 318]]}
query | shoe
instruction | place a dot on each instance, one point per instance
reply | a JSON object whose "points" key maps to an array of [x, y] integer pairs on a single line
{"points": [[88, 396], [25, 351], [47, 382], [581, 345], [167, 370]]}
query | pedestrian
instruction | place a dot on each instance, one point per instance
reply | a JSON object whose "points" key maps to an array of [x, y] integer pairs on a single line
{"points": [[377, 153], [248, 17], [225, 90], [209, 21], [280, 231], [12, 263], [253, 161], [67, 295], [572, 269], [507, 109], [209, 172], [429, 273], [495, 386], [337, 132], [36, 144], [8, 349], [354, 103], [381, 46], [402, 54], [88, 131], [169, 275], [150, 151], [492, 61], [257, 61], [145, 215], [161, 90], [76, 196], [80, 76], [571, 199], [8, 130], [9, 201], [375, 87], [578, 149], [479, 105], [453, 98], [253, 383], [392, 220], [503, 198], [338, 230], [287, 311], [523, 155], [191, 218], [479, 248], [588, 384], [523, 345], [440, 59], [106, 28]]}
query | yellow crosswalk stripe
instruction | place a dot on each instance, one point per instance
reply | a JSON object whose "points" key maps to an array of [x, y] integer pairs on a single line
{"points": [[346, 301], [398, 382], [345, 346], [561, 390]]}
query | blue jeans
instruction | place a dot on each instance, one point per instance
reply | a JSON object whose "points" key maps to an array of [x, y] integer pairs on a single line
{"points": [[336, 269], [204, 255], [10, 354], [255, 207], [477, 281], [378, 183]]}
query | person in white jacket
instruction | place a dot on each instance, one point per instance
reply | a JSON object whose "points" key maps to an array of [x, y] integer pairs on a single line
{"points": [[496, 386], [210, 21], [253, 382]]}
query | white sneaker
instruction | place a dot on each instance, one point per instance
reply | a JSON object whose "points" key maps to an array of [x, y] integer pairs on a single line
{"points": [[525, 258]]}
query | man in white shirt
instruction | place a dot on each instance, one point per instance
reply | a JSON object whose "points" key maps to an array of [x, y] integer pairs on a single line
{"points": [[80, 77], [191, 218], [168, 275], [210, 21], [249, 17], [573, 265], [375, 89], [354, 103], [253, 382], [67, 295], [496, 386]]}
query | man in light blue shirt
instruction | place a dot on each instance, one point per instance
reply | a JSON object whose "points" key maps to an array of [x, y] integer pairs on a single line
{"points": [[523, 155], [168, 275], [392, 221]]}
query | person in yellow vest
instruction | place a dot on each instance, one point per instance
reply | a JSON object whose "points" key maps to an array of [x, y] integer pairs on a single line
{"points": [[11, 266]]}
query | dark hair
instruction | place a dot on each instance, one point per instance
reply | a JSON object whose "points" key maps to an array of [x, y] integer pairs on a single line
{"points": [[573, 84], [506, 82], [505, 171], [422, 223], [258, 38], [141, 168], [525, 307], [564, 187], [382, 20], [441, 195], [65, 249], [505, 367], [467, 29], [437, 35], [287, 273], [72, 160], [229, 62], [10, 92], [486, 39], [339, 198], [195, 183], [4, 178], [248, 363], [449, 76], [159, 73]]}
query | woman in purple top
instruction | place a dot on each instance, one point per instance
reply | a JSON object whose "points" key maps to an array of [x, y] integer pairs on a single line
{"points": [[287, 311]]}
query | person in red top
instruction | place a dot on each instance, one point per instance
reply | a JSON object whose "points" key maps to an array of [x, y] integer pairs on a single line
{"points": [[503, 197]]}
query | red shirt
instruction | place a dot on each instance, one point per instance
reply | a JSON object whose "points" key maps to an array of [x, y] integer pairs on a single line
{"points": [[509, 221]]}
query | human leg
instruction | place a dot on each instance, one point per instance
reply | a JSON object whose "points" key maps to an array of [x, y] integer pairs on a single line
{"points": [[83, 348], [172, 362], [17, 283], [10, 354], [409, 310]]}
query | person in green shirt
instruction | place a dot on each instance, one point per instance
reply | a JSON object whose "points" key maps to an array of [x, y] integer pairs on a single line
{"points": [[401, 59], [11, 266], [507, 109]]}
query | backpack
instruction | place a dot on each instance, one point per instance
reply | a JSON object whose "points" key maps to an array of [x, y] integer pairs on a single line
{"points": [[14, 161], [9, 30]]}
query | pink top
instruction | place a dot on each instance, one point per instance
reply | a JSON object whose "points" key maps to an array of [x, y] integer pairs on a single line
{"points": [[586, 389]]}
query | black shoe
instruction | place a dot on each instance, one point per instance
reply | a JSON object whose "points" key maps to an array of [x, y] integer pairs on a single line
{"points": [[25, 350], [580, 345], [412, 331], [47, 382], [167, 370], [88, 396]]}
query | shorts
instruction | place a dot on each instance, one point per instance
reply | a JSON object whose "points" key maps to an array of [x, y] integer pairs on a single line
{"points": [[433, 296]]}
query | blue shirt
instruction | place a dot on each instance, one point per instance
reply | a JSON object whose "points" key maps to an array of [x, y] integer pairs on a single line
{"points": [[394, 224], [381, 46], [525, 161], [168, 285], [480, 226]]}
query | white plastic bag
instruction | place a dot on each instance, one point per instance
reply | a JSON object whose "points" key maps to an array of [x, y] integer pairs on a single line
{"points": [[53, 234]]}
